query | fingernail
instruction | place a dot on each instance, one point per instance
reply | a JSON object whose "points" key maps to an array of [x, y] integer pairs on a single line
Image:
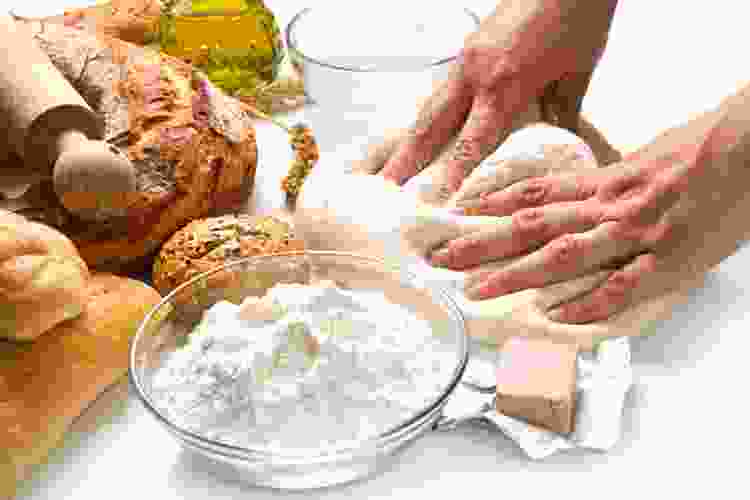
{"points": [[473, 280], [440, 258], [456, 211], [481, 291], [476, 292]]}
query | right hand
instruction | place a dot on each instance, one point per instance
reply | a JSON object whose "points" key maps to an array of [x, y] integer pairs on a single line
{"points": [[526, 50]]}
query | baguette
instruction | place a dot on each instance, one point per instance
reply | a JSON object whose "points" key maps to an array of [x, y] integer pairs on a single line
{"points": [[46, 384]]}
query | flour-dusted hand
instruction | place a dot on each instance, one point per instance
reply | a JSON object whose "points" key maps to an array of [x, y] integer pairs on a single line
{"points": [[522, 52], [657, 221]]}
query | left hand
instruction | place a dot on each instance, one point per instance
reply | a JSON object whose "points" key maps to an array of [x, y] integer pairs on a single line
{"points": [[651, 222]]}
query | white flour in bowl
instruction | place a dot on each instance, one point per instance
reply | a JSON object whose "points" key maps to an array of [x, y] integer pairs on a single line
{"points": [[316, 365]]}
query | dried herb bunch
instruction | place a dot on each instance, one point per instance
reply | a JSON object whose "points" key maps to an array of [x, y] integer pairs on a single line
{"points": [[306, 154]]}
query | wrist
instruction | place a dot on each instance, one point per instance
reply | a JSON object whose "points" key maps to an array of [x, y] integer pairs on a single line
{"points": [[714, 206]]}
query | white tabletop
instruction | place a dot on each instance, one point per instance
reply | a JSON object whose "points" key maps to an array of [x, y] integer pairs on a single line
{"points": [[684, 419]]}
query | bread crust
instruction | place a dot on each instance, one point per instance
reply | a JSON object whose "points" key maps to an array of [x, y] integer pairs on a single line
{"points": [[194, 148], [208, 243], [46, 384], [42, 278]]}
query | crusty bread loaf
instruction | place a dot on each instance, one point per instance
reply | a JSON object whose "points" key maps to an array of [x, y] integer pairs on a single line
{"points": [[42, 278], [208, 243], [193, 148], [46, 384]]}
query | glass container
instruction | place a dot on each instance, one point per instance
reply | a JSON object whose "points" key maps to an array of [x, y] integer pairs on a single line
{"points": [[166, 326], [368, 66], [236, 43]]}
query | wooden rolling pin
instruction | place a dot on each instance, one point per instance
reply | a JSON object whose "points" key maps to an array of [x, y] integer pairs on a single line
{"points": [[54, 130]]}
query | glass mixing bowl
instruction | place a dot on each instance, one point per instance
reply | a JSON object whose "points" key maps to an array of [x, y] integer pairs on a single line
{"points": [[164, 329]]}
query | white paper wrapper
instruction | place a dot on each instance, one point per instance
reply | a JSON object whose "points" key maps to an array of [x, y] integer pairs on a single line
{"points": [[604, 379], [603, 383]]}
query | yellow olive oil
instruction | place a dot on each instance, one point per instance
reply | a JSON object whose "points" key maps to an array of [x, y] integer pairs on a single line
{"points": [[236, 43]]}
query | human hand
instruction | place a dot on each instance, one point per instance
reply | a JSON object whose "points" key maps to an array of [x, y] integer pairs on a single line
{"points": [[652, 222], [524, 51]]}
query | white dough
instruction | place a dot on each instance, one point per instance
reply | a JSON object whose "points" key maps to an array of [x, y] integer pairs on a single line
{"points": [[368, 215]]}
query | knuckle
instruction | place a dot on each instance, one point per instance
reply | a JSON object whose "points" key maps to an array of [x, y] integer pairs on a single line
{"points": [[627, 232], [583, 189], [533, 192], [647, 263], [489, 65], [590, 213], [663, 231], [622, 187], [585, 309], [504, 65], [566, 249], [619, 285], [529, 223], [464, 248]]}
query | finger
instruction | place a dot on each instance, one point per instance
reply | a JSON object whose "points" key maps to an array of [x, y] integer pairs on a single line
{"points": [[431, 185], [479, 274], [642, 195], [379, 153], [486, 127], [439, 119], [496, 175], [616, 293], [525, 230], [499, 175], [567, 257], [565, 291], [535, 192]]}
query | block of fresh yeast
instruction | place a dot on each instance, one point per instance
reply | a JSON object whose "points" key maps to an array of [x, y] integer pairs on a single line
{"points": [[536, 382]]}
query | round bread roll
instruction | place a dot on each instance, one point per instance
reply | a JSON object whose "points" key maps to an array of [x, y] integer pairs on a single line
{"points": [[42, 278], [208, 243]]}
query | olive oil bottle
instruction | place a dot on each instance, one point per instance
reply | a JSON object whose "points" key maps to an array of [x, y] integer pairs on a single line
{"points": [[236, 43]]}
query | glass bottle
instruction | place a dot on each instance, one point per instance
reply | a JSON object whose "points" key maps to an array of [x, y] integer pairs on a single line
{"points": [[236, 43]]}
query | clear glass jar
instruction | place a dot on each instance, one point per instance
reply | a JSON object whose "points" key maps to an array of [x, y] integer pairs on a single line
{"points": [[236, 43]]}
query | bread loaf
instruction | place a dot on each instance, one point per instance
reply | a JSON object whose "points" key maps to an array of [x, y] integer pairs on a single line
{"points": [[42, 278], [46, 384], [193, 148], [208, 243]]}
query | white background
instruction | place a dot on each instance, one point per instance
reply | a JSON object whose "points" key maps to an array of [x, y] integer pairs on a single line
{"points": [[685, 420]]}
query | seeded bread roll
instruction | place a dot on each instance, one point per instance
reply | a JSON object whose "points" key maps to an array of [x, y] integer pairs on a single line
{"points": [[42, 278], [46, 384], [208, 243]]}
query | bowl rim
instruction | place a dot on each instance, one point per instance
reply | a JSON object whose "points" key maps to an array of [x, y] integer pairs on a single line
{"points": [[293, 48], [393, 434]]}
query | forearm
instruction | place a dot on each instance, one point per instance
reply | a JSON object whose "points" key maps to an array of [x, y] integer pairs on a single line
{"points": [[711, 217]]}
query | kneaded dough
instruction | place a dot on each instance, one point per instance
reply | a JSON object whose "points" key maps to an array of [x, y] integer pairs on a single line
{"points": [[369, 215]]}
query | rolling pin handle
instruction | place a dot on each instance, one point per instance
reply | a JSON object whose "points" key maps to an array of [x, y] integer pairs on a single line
{"points": [[92, 178]]}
